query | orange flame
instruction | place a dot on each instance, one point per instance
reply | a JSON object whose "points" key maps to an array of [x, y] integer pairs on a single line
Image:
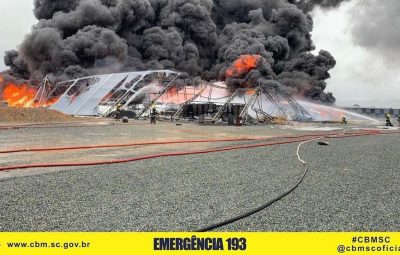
{"points": [[243, 65], [22, 95], [178, 96], [250, 92]]}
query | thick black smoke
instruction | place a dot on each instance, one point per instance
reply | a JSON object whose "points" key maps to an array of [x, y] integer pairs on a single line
{"points": [[201, 37]]}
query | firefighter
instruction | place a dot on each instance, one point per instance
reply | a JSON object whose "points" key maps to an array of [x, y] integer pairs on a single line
{"points": [[118, 112], [153, 115], [344, 120], [388, 121], [398, 119]]}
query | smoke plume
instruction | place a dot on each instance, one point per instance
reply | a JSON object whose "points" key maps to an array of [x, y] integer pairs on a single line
{"points": [[375, 26], [200, 37], [308, 5]]}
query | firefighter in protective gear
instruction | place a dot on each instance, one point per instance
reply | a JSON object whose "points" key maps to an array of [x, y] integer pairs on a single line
{"points": [[153, 115], [118, 112], [388, 121], [344, 120]]}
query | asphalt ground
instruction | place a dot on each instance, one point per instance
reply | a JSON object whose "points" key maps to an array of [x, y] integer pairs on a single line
{"points": [[352, 185]]}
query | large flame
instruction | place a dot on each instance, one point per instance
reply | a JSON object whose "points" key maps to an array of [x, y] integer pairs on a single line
{"points": [[23, 95], [243, 65], [203, 93], [178, 96]]}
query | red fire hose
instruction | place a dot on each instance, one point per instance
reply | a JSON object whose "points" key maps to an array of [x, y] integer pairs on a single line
{"points": [[245, 214], [171, 154], [184, 153], [122, 145], [66, 125], [161, 143]]}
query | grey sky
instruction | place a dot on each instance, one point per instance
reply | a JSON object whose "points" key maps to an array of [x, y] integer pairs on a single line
{"points": [[16, 19], [361, 75]]}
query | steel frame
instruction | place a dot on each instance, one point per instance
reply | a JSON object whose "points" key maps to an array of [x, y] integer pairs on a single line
{"points": [[85, 95], [96, 88]]}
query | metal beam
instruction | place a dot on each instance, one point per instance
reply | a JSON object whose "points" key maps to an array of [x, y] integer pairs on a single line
{"points": [[186, 103], [114, 106], [230, 99], [273, 101], [295, 105], [39, 94], [160, 94], [276, 87], [248, 104], [95, 91]]}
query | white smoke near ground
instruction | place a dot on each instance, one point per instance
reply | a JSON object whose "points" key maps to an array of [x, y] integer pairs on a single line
{"points": [[330, 113]]}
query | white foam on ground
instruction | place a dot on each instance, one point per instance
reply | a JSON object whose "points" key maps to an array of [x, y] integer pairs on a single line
{"points": [[315, 128], [387, 128]]}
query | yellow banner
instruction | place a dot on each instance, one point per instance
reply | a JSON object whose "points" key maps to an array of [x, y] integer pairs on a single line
{"points": [[199, 243]]}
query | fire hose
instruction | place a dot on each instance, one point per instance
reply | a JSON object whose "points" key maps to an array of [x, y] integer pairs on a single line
{"points": [[159, 155], [64, 125], [269, 203], [174, 154], [47, 124], [292, 188], [122, 145], [88, 147]]}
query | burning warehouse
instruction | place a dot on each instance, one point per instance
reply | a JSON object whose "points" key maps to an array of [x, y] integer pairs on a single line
{"points": [[239, 99], [239, 43], [83, 90], [170, 93]]}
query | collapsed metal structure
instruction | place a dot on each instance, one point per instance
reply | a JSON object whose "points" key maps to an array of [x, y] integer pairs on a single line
{"points": [[137, 92], [99, 95]]}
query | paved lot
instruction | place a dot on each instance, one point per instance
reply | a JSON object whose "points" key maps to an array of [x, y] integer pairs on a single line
{"points": [[353, 185]]}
